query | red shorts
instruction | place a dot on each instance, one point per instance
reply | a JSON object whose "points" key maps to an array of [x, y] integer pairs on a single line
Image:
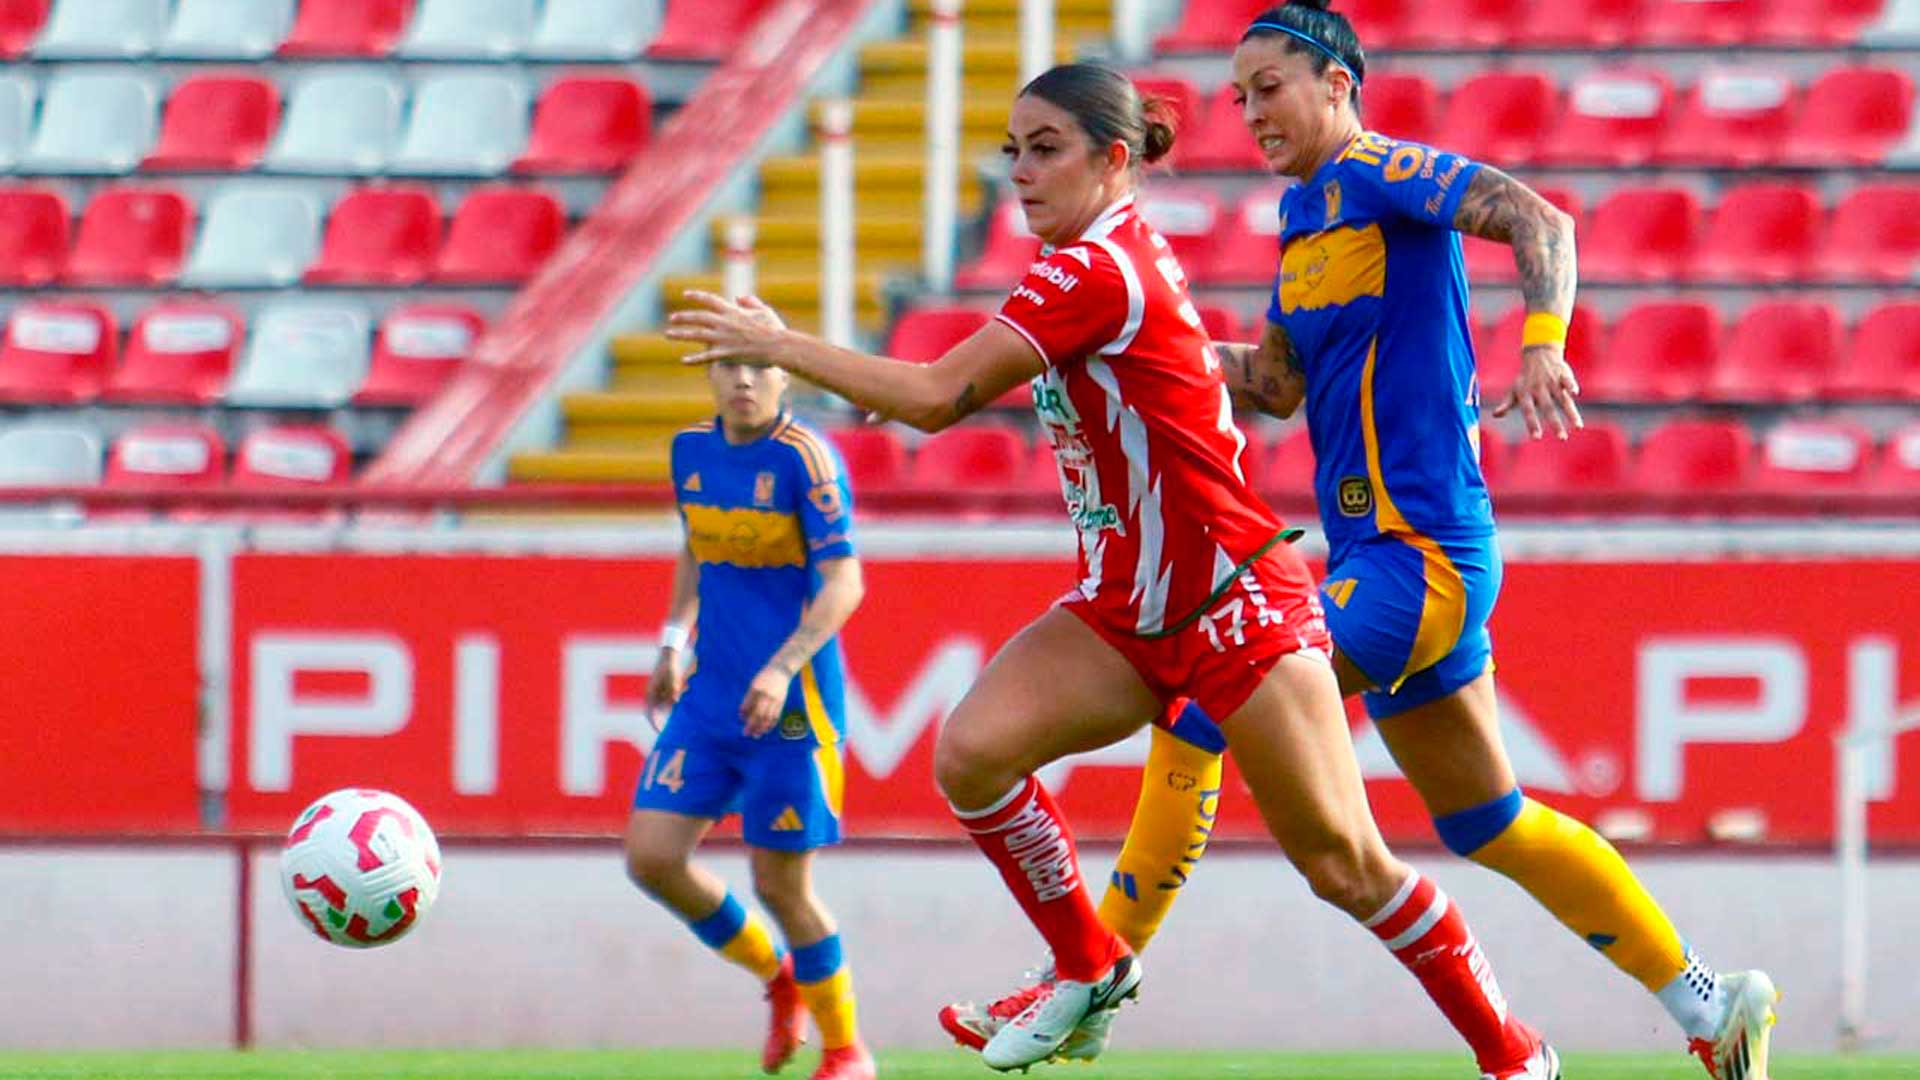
{"points": [[1271, 610]]}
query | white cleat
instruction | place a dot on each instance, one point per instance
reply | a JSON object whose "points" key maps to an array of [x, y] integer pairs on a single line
{"points": [[1543, 1065], [1090, 1039], [1044, 1027], [1740, 1048]]}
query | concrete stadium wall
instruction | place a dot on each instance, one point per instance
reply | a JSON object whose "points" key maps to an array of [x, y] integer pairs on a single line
{"points": [[135, 947]]}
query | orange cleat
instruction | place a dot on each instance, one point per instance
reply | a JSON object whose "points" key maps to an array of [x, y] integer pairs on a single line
{"points": [[850, 1062], [787, 1026]]}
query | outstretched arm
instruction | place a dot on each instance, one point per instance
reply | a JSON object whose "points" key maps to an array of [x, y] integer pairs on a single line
{"points": [[1498, 207], [1267, 377]]}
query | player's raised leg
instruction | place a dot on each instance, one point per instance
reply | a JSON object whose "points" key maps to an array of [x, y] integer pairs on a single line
{"points": [[1019, 716], [1291, 743], [1450, 750]]}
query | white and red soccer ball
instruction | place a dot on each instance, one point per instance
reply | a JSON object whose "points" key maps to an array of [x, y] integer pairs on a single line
{"points": [[361, 868]]}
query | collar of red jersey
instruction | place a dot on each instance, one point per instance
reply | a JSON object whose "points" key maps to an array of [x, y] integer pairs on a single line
{"points": [[1116, 209]]}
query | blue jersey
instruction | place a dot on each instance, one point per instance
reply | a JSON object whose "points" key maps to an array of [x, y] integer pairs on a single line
{"points": [[1372, 293], [760, 518]]}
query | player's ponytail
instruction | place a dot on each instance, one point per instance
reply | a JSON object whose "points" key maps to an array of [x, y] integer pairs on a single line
{"points": [[1108, 108], [1312, 27]]}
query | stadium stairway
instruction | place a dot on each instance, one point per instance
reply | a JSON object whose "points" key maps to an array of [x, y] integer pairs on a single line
{"points": [[622, 433]]}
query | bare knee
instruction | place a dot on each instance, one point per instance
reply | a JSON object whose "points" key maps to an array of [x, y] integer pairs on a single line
{"points": [[783, 898], [971, 771], [655, 870], [1350, 878]]}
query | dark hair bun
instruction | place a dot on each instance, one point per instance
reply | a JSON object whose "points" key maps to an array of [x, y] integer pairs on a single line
{"points": [[1158, 142], [1317, 5]]}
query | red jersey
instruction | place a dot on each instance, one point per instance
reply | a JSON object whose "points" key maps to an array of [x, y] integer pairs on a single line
{"points": [[1142, 427]]}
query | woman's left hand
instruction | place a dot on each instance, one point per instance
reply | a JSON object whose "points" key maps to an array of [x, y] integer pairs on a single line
{"points": [[1545, 388], [744, 330]]}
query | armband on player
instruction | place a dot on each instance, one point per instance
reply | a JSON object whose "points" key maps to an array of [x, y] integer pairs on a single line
{"points": [[1543, 328]]}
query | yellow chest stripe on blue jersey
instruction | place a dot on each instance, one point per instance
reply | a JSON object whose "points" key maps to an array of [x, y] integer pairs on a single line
{"points": [[1333, 267], [743, 536]]}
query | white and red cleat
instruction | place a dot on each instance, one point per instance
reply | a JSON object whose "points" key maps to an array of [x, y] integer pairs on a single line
{"points": [[851, 1062], [1543, 1063], [1058, 1008], [787, 1022], [972, 1026], [1739, 1050]]}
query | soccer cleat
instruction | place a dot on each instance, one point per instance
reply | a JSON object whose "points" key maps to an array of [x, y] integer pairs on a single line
{"points": [[972, 1026], [1090, 1039], [787, 1024], [1738, 1051], [1542, 1064], [1057, 1008], [851, 1062]]}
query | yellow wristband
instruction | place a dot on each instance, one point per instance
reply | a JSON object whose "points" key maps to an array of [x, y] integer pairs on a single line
{"points": [[1543, 328]]}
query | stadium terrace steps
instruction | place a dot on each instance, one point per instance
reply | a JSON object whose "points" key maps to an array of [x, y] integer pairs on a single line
{"points": [[990, 19], [795, 295], [670, 406], [649, 465]]}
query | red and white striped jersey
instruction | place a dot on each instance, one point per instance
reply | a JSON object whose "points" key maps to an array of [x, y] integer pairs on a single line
{"points": [[1137, 409]]}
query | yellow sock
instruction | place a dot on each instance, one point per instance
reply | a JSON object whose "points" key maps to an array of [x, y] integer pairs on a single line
{"points": [[827, 987], [740, 936], [1172, 822], [1578, 876]]}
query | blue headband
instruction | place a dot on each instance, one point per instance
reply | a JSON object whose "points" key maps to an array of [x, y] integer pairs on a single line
{"points": [[1311, 40]]}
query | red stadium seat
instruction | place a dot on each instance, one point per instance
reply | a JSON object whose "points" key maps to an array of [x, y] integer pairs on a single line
{"points": [[1499, 364], [971, 457], [1852, 116], [1761, 233], [1779, 351], [874, 456], [131, 236], [1041, 475], [1614, 116], [1289, 466], [1220, 139], [704, 29], [501, 234], [1662, 350], [1470, 24], [347, 27], [1702, 22], [1503, 117], [179, 352], [1815, 22], [925, 334], [216, 123], [167, 455], [1492, 261], [1222, 325], [1381, 24], [584, 125], [1210, 25], [1590, 461], [1178, 97], [57, 352], [34, 230], [1186, 215], [1685, 456], [1813, 456], [416, 350], [1010, 249], [1732, 117], [1401, 105], [1494, 453], [1585, 24], [1642, 234], [1874, 235], [20, 22], [292, 455], [1900, 464], [385, 235], [1883, 360]]}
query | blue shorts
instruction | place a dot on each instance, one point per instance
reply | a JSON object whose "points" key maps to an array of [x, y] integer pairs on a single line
{"points": [[787, 790], [1413, 618]]}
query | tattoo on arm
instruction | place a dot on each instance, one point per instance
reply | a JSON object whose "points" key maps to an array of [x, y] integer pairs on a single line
{"points": [[799, 648], [1498, 207], [966, 403], [1268, 377]]}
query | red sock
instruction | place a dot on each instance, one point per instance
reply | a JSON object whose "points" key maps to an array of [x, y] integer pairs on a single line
{"points": [[1029, 842], [1424, 930]]}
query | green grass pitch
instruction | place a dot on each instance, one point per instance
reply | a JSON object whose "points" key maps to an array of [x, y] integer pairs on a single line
{"points": [[899, 1065]]}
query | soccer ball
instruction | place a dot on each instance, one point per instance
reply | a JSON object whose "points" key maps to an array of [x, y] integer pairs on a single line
{"points": [[361, 868]]}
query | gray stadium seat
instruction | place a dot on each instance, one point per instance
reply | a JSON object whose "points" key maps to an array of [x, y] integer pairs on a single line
{"points": [[254, 234], [47, 455], [102, 29], [16, 118], [468, 124], [468, 29], [227, 29], [93, 122], [1898, 24], [340, 122], [595, 29], [304, 354]]}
